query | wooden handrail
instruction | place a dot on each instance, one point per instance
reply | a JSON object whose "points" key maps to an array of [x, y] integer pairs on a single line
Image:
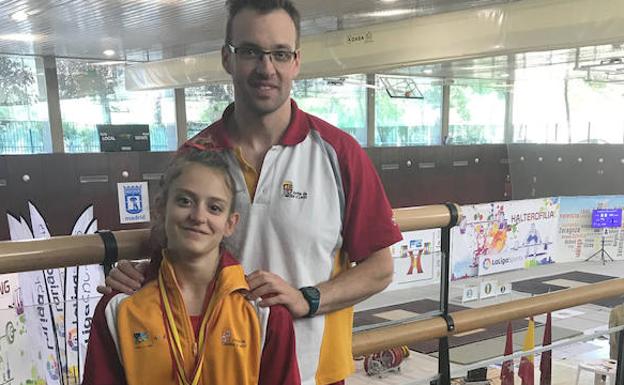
{"points": [[63, 251], [18, 256], [379, 339], [423, 217]]}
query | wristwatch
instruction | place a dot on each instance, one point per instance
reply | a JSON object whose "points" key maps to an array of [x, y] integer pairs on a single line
{"points": [[312, 295]]}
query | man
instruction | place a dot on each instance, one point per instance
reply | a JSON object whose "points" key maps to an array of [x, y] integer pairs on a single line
{"points": [[310, 201], [616, 318]]}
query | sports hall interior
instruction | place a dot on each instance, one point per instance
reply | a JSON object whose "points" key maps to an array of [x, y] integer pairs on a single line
{"points": [[510, 109]]}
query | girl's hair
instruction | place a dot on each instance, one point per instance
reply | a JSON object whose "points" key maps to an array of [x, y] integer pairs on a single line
{"points": [[186, 156]]}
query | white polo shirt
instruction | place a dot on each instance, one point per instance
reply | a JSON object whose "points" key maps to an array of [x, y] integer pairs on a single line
{"points": [[318, 206]]}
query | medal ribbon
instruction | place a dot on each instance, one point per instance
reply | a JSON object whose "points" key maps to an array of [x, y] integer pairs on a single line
{"points": [[175, 336]]}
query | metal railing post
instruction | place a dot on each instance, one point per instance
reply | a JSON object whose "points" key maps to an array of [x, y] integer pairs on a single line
{"points": [[444, 363]]}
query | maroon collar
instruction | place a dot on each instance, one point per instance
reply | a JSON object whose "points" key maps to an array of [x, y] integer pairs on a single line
{"points": [[217, 137], [225, 259]]}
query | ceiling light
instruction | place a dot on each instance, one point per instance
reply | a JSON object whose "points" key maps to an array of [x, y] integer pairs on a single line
{"points": [[388, 1], [387, 13], [25, 37], [428, 71], [504, 75], [107, 63], [109, 52], [19, 15]]}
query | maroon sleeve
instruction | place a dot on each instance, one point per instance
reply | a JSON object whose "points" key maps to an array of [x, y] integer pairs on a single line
{"points": [[368, 225], [278, 364], [102, 365]]}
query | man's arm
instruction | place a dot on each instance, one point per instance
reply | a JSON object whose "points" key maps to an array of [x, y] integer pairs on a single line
{"points": [[368, 277]]}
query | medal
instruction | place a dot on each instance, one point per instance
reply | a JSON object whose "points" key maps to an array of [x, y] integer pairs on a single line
{"points": [[176, 346]]}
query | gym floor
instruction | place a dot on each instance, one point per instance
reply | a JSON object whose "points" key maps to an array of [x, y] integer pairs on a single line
{"points": [[581, 321]]}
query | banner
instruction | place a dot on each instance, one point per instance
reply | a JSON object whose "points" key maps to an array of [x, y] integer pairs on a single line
{"points": [[26, 357], [54, 298], [82, 225], [577, 239], [416, 259], [502, 236], [49, 318], [89, 277]]}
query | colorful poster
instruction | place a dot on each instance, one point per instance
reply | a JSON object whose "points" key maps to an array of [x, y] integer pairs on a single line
{"points": [[502, 236], [416, 259], [578, 240]]}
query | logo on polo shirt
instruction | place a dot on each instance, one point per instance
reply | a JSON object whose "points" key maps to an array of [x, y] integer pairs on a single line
{"points": [[228, 340], [288, 191], [141, 339]]}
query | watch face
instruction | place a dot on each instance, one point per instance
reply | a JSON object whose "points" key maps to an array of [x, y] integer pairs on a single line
{"points": [[312, 293]]}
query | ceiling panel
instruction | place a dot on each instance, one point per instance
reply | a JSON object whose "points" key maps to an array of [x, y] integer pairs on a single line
{"points": [[145, 30], [597, 63]]}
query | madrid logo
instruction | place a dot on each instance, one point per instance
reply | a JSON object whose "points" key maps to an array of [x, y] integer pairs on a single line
{"points": [[133, 199]]}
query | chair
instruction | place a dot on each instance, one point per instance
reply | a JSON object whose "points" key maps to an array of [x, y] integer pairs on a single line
{"points": [[606, 368]]}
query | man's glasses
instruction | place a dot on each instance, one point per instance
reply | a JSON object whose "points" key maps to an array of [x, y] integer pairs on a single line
{"points": [[278, 56]]}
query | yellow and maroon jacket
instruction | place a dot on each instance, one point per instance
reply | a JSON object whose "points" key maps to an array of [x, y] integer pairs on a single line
{"points": [[129, 342]]}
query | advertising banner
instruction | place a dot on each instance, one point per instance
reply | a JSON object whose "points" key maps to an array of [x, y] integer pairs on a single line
{"points": [[578, 240], [502, 236], [47, 314], [31, 354], [416, 259], [53, 283]]}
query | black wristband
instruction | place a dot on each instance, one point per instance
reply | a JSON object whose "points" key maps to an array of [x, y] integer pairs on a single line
{"points": [[110, 249]]}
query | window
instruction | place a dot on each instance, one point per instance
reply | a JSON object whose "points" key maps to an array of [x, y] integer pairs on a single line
{"points": [[477, 112], [205, 104], [24, 125], [94, 93], [339, 100], [405, 121], [553, 105], [539, 105]]}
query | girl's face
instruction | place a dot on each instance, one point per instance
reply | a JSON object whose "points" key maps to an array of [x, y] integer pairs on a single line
{"points": [[197, 212]]}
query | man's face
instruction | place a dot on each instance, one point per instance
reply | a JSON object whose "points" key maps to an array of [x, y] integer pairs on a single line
{"points": [[262, 85]]}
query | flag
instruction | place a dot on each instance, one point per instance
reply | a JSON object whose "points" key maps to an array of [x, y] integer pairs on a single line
{"points": [[53, 283], [71, 303], [525, 371], [546, 361], [507, 371], [89, 277], [37, 315]]}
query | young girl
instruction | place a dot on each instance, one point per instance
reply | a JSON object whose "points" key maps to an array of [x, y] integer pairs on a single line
{"points": [[191, 324]]}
